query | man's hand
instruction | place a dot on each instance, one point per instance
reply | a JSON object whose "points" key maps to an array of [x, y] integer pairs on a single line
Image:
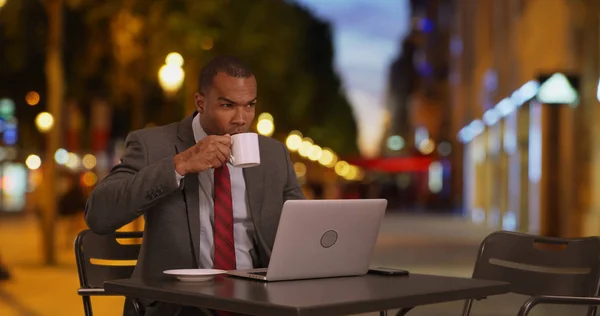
{"points": [[211, 152]]}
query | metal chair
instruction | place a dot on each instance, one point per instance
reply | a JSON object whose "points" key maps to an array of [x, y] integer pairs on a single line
{"points": [[104, 257], [550, 270]]}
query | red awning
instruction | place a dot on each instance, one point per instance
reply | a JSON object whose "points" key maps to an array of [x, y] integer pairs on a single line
{"points": [[394, 164]]}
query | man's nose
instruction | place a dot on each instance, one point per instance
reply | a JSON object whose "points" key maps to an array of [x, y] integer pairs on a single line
{"points": [[240, 117]]}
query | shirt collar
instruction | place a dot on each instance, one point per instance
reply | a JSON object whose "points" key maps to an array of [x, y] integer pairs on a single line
{"points": [[199, 132]]}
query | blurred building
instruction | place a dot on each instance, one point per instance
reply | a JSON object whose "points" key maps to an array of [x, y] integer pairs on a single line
{"points": [[418, 106], [529, 165], [418, 78]]}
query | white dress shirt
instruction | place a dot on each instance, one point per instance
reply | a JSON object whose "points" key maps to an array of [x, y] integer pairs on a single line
{"points": [[243, 227]]}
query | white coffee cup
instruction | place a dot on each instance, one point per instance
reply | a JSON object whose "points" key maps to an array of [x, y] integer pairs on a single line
{"points": [[244, 150]]}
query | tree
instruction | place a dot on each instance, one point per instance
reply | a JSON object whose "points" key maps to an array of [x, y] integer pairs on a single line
{"points": [[55, 91], [290, 50]]}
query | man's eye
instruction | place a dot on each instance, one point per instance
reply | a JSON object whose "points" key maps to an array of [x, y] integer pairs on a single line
{"points": [[251, 105], [227, 105]]}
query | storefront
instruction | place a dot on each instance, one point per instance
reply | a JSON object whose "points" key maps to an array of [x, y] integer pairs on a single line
{"points": [[518, 160]]}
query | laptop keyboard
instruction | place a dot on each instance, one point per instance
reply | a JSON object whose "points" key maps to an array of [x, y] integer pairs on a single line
{"points": [[263, 273]]}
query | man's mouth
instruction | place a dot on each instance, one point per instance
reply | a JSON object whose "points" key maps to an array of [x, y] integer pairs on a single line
{"points": [[237, 131]]}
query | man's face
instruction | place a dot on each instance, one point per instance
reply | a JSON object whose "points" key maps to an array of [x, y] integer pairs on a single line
{"points": [[228, 105]]}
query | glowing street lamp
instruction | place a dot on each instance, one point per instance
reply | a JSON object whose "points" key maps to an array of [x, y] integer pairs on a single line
{"points": [[328, 158], [44, 122], [352, 173], [33, 162], [171, 75], [265, 125], [294, 141], [89, 161], [315, 153], [305, 146], [342, 168], [61, 156], [32, 98], [74, 161]]}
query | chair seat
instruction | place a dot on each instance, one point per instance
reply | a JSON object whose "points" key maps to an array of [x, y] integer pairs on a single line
{"points": [[93, 291]]}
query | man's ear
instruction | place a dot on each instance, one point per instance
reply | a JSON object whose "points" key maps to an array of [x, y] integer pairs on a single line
{"points": [[199, 101]]}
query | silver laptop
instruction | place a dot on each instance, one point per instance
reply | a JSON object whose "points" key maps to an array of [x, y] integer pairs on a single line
{"points": [[322, 238]]}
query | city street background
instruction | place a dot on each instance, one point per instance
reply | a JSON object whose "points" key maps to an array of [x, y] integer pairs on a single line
{"points": [[468, 116]]}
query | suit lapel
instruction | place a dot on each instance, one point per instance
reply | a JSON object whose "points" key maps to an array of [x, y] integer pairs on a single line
{"points": [[185, 134], [253, 177], [255, 185]]}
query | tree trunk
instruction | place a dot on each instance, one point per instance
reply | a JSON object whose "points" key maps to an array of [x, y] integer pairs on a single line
{"points": [[191, 86], [55, 90], [139, 114]]}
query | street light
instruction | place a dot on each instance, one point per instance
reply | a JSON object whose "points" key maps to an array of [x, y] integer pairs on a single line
{"points": [[294, 141], [427, 146], [342, 168], [44, 121], [74, 161], [328, 158], [305, 147], [171, 75], [352, 173], [315, 152], [265, 125], [61, 156], [89, 161], [32, 98], [33, 162]]}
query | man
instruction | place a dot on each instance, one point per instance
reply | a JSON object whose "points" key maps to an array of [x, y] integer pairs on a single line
{"points": [[170, 174]]}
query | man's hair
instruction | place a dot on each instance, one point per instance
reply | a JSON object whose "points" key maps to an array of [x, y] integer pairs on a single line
{"points": [[227, 64]]}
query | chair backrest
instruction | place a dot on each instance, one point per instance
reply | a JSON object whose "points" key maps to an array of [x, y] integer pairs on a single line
{"points": [[535, 265], [105, 257]]}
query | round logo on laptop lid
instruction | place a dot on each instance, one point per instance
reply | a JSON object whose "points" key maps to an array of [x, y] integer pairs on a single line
{"points": [[329, 238]]}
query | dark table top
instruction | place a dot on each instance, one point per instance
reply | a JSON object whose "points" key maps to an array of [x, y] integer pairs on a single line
{"points": [[331, 296]]}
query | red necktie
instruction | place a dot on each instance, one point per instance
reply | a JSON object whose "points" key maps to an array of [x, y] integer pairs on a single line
{"points": [[224, 249]]}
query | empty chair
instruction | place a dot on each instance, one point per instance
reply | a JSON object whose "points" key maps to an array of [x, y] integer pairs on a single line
{"points": [[550, 270], [104, 257]]}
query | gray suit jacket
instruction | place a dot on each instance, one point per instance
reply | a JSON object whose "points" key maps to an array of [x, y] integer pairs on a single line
{"points": [[144, 184]]}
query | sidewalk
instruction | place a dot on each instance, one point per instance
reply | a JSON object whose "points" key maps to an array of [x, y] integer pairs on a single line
{"points": [[413, 242], [36, 290]]}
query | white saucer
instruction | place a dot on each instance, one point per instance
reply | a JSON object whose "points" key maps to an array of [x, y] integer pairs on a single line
{"points": [[194, 275]]}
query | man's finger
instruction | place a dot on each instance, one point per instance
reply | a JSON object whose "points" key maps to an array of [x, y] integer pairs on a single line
{"points": [[216, 163], [225, 140], [224, 149], [221, 156]]}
